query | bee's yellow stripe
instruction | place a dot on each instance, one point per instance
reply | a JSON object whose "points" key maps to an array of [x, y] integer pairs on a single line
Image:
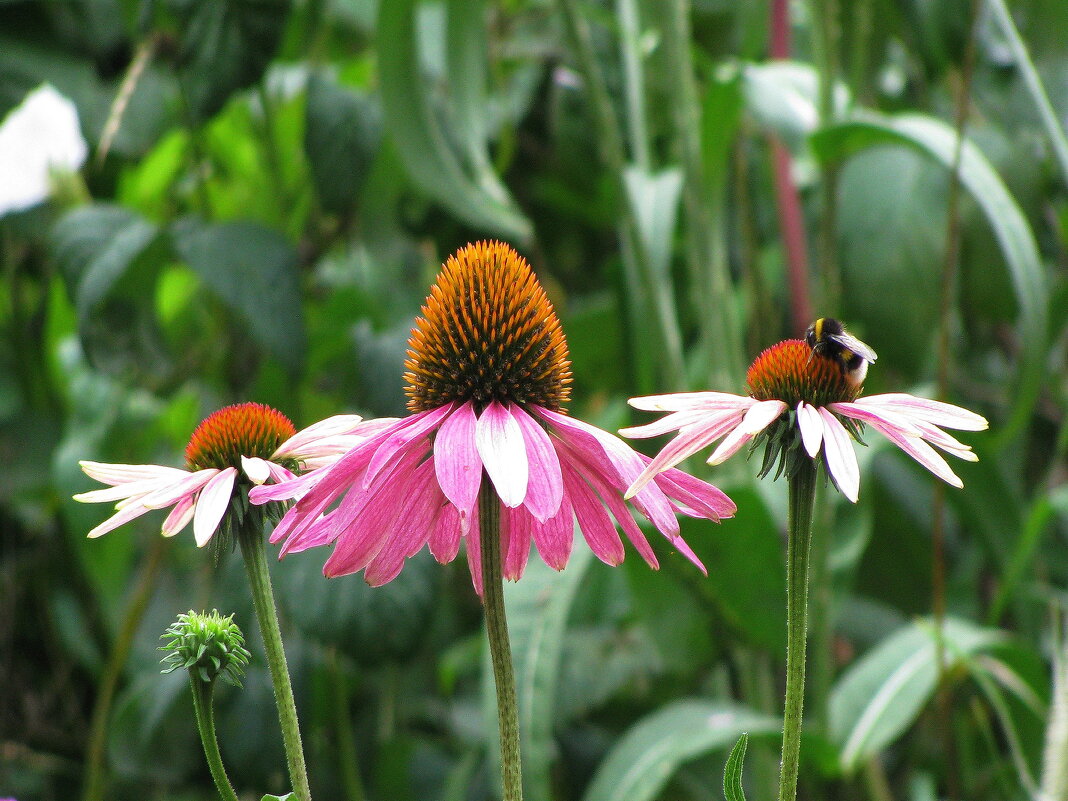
{"points": [[819, 329]]}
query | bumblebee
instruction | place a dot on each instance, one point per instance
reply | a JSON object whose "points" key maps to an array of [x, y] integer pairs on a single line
{"points": [[828, 338]]}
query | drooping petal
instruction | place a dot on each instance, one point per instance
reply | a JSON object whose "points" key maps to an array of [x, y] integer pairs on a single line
{"points": [[113, 474], [120, 492], [697, 497], [841, 458], [689, 441], [554, 538], [445, 536], [504, 455], [876, 415], [760, 415], [179, 517], [124, 515], [410, 530], [935, 412], [456, 460], [593, 520], [187, 487], [212, 504], [672, 422], [616, 505], [947, 442], [811, 425], [474, 554], [258, 470], [409, 430], [318, 434], [517, 523], [681, 401], [922, 453], [545, 485]]}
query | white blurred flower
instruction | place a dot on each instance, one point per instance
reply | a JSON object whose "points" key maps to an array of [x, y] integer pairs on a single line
{"points": [[38, 136]]}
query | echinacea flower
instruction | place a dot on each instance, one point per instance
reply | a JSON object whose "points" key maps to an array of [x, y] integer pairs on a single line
{"points": [[244, 442], [801, 402], [487, 379], [38, 137]]}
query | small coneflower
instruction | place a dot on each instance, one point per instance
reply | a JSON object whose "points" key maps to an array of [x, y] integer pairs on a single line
{"points": [[488, 377], [803, 405], [246, 441]]}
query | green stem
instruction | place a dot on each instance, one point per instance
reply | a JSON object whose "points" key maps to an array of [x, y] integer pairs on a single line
{"points": [[205, 714], [489, 515], [799, 534], [254, 554]]}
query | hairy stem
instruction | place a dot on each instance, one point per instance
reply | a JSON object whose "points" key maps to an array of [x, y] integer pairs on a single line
{"points": [[205, 714], [489, 513]]}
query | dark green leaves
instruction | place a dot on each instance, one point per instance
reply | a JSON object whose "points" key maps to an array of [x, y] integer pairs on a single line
{"points": [[732, 771]]}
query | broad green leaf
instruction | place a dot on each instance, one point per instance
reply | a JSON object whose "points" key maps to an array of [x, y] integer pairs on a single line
{"points": [[654, 201], [1008, 223], [781, 96], [538, 608], [224, 46], [423, 146], [882, 693], [342, 133], [732, 771], [254, 271], [649, 753]]}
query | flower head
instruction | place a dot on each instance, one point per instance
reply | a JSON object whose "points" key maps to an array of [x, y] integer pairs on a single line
{"points": [[488, 377], [236, 446], [210, 646], [802, 406], [41, 135]]}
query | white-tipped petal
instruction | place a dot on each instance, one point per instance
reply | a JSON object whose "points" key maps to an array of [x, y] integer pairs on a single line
{"points": [[811, 425], [212, 505], [500, 445], [256, 469], [841, 458]]}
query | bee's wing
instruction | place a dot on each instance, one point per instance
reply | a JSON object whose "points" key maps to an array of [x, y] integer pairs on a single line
{"points": [[849, 341]]}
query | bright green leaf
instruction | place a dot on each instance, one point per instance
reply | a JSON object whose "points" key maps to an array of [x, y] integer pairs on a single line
{"points": [[732, 771]]}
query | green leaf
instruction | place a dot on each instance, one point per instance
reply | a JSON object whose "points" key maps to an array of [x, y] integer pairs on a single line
{"points": [[342, 132], [253, 270], [781, 96], [654, 199], [224, 46], [1010, 227], [732, 771], [649, 753], [881, 694], [423, 146]]}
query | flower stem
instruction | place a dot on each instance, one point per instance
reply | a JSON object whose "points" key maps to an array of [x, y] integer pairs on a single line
{"points": [[205, 715], [799, 534], [489, 514], [255, 557]]}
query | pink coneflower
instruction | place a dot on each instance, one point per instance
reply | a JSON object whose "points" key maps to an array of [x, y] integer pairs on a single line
{"points": [[247, 441], [803, 402], [488, 377]]}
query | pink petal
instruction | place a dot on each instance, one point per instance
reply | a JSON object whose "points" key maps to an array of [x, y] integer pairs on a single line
{"points": [[811, 425], [759, 416], [121, 492], [623, 517], [689, 441], [186, 488], [841, 459], [922, 453], [411, 529], [671, 422], [504, 455], [545, 486], [593, 520], [931, 411], [699, 498], [456, 460], [113, 474], [124, 515], [408, 430], [515, 540], [212, 504], [554, 537], [179, 517], [313, 436], [875, 415], [474, 555], [948, 443], [681, 401], [445, 536]]}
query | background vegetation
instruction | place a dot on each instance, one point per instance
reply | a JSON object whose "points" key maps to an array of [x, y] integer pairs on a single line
{"points": [[271, 188]]}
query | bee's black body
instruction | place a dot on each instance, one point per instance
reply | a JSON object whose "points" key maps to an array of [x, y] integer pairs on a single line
{"points": [[828, 338]]}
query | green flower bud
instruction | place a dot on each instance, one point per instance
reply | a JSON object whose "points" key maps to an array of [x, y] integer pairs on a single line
{"points": [[209, 645]]}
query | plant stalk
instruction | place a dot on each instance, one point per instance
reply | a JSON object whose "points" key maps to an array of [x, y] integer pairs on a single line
{"points": [[254, 553], [205, 715], [489, 515], [799, 541]]}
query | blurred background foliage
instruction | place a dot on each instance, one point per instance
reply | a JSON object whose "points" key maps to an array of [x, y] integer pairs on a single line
{"points": [[271, 188]]}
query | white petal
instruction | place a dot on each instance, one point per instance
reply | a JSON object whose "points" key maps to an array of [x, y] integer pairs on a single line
{"points": [[935, 412], [680, 401], [760, 415], [212, 504], [114, 474], [336, 426], [811, 425], [256, 469], [500, 445], [841, 459]]}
